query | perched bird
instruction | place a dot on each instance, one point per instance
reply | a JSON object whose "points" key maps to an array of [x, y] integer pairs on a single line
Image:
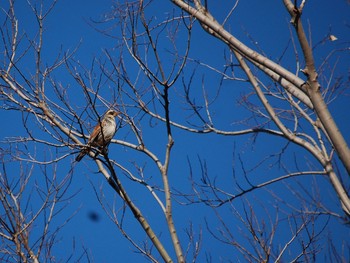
{"points": [[102, 134]]}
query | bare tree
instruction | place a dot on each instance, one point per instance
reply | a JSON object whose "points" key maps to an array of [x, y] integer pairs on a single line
{"points": [[163, 90], [24, 237]]}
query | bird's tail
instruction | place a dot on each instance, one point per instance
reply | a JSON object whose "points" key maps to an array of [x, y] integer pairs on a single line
{"points": [[81, 155]]}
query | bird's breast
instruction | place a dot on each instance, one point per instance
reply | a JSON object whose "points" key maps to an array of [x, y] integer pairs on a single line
{"points": [[108, 131]]}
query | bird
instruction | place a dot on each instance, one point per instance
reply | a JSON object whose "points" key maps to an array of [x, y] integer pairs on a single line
{"points": [[102, 134]]}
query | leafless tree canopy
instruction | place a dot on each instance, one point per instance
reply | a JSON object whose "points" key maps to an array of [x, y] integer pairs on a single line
{"points": [[229, 147]]}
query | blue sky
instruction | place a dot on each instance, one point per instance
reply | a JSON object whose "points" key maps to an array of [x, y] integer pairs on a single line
{"points": [[69, 26]]}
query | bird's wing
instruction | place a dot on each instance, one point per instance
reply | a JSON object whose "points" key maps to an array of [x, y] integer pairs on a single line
{"points": [[95, 132]]}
